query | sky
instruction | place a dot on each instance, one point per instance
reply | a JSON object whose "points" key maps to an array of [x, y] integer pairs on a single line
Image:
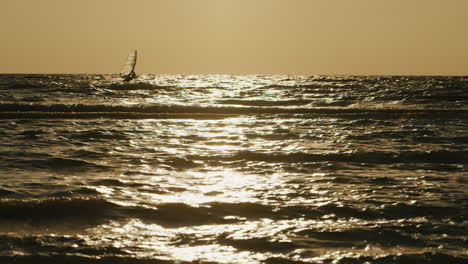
{"points": [[299, 37]]}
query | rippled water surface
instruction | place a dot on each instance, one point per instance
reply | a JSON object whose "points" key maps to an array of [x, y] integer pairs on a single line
{"points": [[233, 169]]}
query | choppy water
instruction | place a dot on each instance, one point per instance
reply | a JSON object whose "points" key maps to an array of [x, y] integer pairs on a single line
{"points": [[233, 169]]}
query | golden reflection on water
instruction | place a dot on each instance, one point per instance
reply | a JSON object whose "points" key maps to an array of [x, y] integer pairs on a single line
{"points": [[155, 241], [196, 187], [201, 186], [207, 183]]}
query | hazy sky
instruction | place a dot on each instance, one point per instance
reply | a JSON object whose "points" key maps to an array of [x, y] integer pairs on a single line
{"points": [[236, 36]]}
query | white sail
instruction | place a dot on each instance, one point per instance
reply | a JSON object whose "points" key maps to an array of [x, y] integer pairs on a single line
{"points": [[127, 69]]}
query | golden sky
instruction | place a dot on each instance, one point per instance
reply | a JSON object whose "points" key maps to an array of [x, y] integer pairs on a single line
{"points": [[236, 36]]}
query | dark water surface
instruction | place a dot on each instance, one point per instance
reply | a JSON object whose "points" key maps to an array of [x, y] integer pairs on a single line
{"points": [[233, 169]]}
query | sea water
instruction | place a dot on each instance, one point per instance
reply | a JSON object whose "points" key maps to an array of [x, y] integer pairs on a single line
{"points": [[233, 169]]}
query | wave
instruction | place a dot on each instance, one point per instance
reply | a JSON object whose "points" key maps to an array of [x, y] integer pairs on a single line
{"points": [[57, 212], [259, 244], [8, 111], [98, 134], [264, 102], [52, 245], [360, 237], [444, 157], [115, 183], [80, 208], [93, 211], [112, 115], [422, 258], [88, 211], [58, 164], [402, 258], [72, 193], [63, 257], [137, 86], [65, 192], [4, 192]]}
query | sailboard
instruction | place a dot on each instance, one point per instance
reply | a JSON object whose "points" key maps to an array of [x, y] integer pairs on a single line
{"points": [[127, 72]]}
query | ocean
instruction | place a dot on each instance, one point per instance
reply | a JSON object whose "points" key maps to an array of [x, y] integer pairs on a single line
{"points": [[180, 169]]}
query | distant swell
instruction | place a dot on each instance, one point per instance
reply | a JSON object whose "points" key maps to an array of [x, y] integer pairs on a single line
{"points": [[111, 115], [83, 259], [92, 211], [265, 102], [86, 212], [169, 111], [423, 258], [53, 211], [447, 157], [59, 164]]}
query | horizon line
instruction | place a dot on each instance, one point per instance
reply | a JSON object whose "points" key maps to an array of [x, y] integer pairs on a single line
{"points": [[272, 74]]}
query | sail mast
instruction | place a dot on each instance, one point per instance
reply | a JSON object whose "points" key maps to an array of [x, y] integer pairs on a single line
{"points": [[127, 71]]}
